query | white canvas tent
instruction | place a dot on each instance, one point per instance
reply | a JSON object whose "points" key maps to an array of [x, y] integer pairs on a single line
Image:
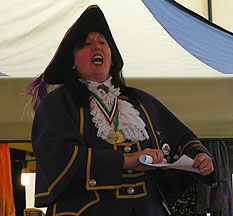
{"points": [[31, 31]]}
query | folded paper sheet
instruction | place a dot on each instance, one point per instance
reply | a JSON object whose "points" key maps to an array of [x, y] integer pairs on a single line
{"points": [[184, 163]]}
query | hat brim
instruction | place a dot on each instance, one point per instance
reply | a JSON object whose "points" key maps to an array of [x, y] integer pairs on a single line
{"points": [[91, 20]]}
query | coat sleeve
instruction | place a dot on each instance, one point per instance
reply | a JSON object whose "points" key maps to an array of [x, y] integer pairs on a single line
{"points": [[181, 140], [61, 154]]}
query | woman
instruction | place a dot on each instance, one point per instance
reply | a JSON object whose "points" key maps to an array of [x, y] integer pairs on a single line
{"points": [[88, 134]]}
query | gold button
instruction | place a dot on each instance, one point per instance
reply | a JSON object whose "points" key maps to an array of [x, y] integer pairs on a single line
{"points": [[127, 149], [130, 190], [92, 182], [130, 171]]}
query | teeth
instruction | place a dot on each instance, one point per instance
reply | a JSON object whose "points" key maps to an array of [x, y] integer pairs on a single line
{"points": [[97, 56], [97, 63], [97, 59]]}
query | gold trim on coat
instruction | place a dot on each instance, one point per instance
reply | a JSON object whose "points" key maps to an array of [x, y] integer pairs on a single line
{"points": [[143, 184], [88, 173], [188, 143], [165, 206], [61, 175], [81, 210], [81, 129], [151, 126]]}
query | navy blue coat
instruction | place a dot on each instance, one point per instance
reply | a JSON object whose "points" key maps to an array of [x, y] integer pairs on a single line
{"points": [[81, 174]]}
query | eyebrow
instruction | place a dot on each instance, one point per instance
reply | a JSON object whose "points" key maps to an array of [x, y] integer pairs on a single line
{"points": [[100, 36]]}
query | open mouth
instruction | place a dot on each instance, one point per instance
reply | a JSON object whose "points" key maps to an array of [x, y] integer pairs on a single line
{"points": [[97, 60]]}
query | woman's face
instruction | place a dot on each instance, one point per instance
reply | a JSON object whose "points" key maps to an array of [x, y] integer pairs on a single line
{"points": [[93, 60]]}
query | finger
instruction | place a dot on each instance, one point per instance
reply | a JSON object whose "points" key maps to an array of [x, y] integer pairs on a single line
{"points": [[160, 156], [206, 163], [201, 160], [198, 160], [207, 169], [155, 157], [156, 154], [204, 171], [211, 169]]}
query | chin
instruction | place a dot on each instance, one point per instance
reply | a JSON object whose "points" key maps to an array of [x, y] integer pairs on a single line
{"points": [[99, 78]]}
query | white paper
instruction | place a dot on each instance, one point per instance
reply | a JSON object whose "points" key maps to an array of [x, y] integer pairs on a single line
{"points": [[184, 163]]}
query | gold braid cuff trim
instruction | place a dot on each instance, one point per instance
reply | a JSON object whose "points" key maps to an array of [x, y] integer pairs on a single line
{"points": [[61, 175], [198, 143], [81, 210]]}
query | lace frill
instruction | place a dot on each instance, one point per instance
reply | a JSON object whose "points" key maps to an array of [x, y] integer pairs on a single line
{"points": [[130, 123]]}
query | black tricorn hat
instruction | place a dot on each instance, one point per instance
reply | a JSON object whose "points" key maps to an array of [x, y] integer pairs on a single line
{"points": [[91, 20]]}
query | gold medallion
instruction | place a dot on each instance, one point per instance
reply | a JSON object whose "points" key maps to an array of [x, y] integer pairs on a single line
{"points": [[112, 137], [115, 137], [120, 137]]}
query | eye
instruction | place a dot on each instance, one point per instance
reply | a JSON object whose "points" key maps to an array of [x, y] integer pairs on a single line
{"points": [[87, 43], [102, 42]]}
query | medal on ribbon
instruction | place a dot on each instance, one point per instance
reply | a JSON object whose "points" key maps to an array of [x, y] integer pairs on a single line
{"points": [[115, 137], [112, 116]]}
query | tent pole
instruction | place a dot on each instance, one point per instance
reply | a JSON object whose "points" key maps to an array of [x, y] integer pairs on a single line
{"points": [[210, 10]]}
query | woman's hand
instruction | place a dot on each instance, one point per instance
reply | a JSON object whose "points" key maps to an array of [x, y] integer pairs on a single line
{"points": [[132, 161], [204, 163]]}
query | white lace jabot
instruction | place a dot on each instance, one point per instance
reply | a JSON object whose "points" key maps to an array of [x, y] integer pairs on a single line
{"points": [[130, 123]]}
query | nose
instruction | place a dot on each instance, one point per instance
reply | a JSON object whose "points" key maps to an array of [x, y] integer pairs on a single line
{"points": [[96, 46]]}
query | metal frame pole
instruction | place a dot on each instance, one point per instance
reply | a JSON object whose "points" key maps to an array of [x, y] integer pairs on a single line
{"points": [[210, 11]]}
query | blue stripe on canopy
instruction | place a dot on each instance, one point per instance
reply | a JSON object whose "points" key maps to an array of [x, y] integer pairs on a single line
{"points": [[206, 41], [2, 74]]}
